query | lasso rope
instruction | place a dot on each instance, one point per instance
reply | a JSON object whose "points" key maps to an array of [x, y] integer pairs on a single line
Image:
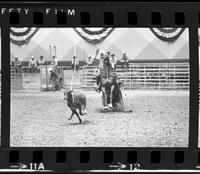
{"points": [[74, 66]]}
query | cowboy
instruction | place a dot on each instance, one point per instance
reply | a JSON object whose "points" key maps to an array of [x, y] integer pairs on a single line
{"points": [[32, 64], [100, 70], [54, 62], [41, 62], [89, 60], [53, 78], [75, 63], [96, 58], [101, 59], [108, 54], [124, 61], [113, 61], [17, 65]]}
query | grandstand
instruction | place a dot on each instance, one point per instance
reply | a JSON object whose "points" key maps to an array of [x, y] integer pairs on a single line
{"points": [[154, 64]]}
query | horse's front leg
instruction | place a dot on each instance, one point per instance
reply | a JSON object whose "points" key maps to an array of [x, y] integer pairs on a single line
{"points": [[80, 121], [106, 97], [71, 114], [111, 96]]}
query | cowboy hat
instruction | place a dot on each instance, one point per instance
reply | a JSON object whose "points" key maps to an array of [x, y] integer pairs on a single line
{"points": [[102, 52]]}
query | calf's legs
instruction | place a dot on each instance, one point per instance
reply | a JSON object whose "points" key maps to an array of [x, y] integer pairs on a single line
{"points": [[72, 114]]}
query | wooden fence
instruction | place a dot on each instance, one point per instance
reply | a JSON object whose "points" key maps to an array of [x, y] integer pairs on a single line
{"points": [[146, 76], [167, 76]]}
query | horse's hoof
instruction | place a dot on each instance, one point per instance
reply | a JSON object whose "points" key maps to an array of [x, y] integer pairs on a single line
{"points": [[110, 106], [69, 118], [106, 108], [80, 121]]}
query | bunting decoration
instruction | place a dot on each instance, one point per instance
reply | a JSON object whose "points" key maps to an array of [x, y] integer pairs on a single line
{"points": [[167, 34], [22, 35], [94, 35]]}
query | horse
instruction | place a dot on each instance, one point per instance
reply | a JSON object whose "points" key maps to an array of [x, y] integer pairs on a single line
{"points": [[111, 93]]}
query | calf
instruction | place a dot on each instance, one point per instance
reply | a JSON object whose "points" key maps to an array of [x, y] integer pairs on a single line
{"points": [[76, 100]]}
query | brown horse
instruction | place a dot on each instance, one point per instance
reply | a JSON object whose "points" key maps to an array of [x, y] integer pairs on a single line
{"points": [[110, 90]]}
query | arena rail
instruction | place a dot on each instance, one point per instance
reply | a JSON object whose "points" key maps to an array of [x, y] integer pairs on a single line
{"points": [[139, 75], [169, 76]]}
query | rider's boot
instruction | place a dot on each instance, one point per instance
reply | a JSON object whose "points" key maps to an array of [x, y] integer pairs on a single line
{"points": [[98, 88]]}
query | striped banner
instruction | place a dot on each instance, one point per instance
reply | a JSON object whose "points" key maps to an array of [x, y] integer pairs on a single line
{"points": [[94, 35], [22, 36], [167, 34]]}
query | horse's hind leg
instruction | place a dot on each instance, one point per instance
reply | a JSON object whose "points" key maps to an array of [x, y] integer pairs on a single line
{"points": [[81, 110], [106, 97], [111, 96], [80, 121]]}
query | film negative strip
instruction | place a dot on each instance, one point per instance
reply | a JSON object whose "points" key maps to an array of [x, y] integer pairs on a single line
{"points": [[93, 87]]}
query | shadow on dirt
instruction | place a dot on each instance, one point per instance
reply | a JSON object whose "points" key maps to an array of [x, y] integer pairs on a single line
{"points": [[120, 109], [85, 122]]}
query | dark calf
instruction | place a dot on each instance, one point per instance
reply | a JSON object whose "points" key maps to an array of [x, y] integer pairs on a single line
{"points": [[76, 100]]}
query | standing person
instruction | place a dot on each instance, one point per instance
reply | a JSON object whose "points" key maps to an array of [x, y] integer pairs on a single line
{"points": [[17, 65], [95, 59], [32, 64], [89, 60], [53, 79], [108, 54], [113, 61], [41, 62], [101, 59], [75, 63], [124, 61], [100, 69], [54, 62]]}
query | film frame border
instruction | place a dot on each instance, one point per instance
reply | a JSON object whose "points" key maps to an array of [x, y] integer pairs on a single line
{"points": [[191, 12]]}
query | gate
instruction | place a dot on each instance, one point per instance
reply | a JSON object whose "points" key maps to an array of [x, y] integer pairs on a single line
{"points": [[45, 83]]}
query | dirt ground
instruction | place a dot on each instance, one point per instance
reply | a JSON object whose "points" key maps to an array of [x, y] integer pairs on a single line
{"points": [[159, 119]]}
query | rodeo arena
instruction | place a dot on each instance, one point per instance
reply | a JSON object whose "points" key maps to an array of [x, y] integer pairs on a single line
{"points": [[99, 87]]}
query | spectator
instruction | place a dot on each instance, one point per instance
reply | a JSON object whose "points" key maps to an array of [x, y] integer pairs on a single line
{"points": [[54, 61], [101, 59], [108, 54], [99, 70], [96, 60], [75, 63], [32, 64], [41, 61], [17, 65], [89, 60], [124, 61], [113, 62]]}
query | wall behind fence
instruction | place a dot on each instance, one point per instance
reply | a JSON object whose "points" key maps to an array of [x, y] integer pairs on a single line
{"points": [[138, 43]]}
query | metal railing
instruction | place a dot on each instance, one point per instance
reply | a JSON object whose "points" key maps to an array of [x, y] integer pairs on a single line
{"points": [[146, 76]]}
